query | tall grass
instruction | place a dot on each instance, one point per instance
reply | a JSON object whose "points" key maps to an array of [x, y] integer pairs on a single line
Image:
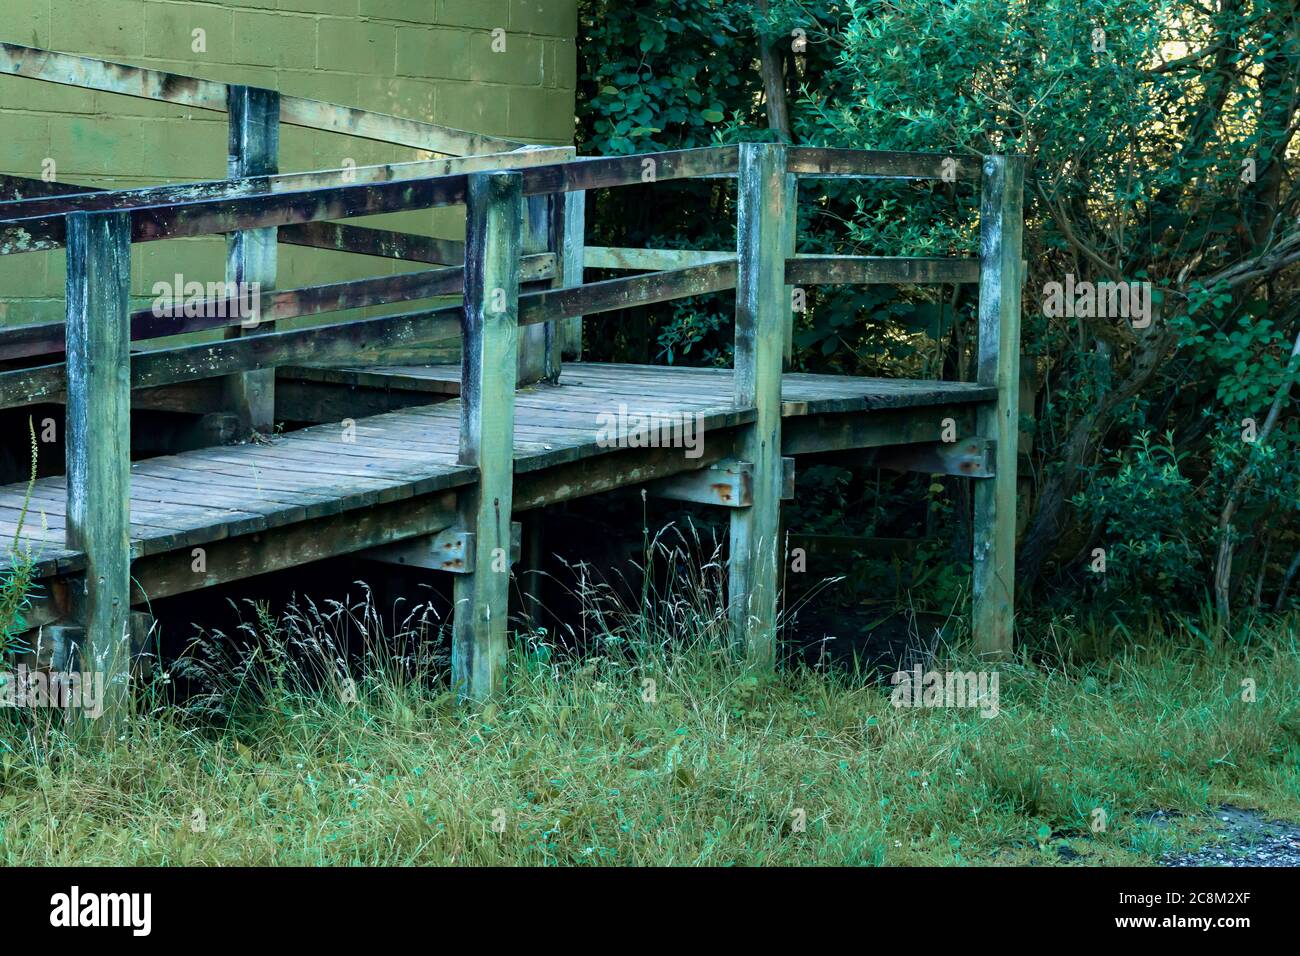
{"points": [[16, 581], [317, 739]]}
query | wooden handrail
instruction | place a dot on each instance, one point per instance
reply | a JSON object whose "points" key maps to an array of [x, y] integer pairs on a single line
{"points": [[232, 214], [880, 270], [812, 162], [49, 199], [649, 260], [39, 339]]}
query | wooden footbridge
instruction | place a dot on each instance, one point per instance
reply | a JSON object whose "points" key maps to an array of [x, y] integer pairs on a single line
{"points": [[425, 463]]}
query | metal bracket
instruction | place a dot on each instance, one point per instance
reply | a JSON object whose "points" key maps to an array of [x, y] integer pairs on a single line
{"points": [[728, 483], [57, 647], [447, 550], [967, 457]]}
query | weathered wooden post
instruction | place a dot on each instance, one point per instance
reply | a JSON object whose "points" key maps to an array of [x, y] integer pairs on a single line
{"points": [[251, 254], [488, 367], [791, 212], [539, 353], [98, 448], [1001, 276], [572, 261], [762, 314]]}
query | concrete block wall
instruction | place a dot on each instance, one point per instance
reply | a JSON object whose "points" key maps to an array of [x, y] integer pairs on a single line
{"points": [[431, 60]]}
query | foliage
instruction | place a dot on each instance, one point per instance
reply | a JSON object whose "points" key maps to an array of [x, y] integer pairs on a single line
{"points": [[1157, 137], [1147, 511]]}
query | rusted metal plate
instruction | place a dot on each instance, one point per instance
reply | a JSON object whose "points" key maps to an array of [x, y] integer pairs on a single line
{"points": [[450, 550], [728, 483], [968, 458]]}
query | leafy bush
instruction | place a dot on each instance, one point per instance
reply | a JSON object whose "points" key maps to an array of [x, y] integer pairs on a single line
{"points": [[1158, 140], [1149, 516]]}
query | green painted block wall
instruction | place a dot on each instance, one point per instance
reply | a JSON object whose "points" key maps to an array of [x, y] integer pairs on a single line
{"points": [[430, 60]]}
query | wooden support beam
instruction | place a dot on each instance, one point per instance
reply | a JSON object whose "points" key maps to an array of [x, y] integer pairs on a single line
{"points": [[384, 128], [816, 434], [573, 231], [169, 573], [98, 449], [451, 550], [15, 189], [581, 478], [251, 256], [488, 366], [761, 310], [967, 458], [381, 243], [93, 74], [998, 365], [728, 484]]}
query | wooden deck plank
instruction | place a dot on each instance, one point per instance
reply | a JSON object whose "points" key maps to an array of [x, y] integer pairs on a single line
{"points": [[802, 393], [188, 499]]}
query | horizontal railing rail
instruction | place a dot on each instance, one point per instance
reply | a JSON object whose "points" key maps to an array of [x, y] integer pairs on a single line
{"points": [[304, 216], [811, 162], [156, 215], [61, 198], [226, 214], [47, 338]]}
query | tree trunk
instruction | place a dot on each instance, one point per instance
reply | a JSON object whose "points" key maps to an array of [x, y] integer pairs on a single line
{"points": [[774, 86]]}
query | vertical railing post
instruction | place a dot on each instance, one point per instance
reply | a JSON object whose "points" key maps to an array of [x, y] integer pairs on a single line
{"points": [[762, 311], [251, 253], [572, 261], [791, 247], [537, 361], [488, 367], [98, 448], [1001, 276]]}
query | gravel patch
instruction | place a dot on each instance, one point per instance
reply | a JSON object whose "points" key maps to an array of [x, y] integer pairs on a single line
{"points": [[1247, 839]]}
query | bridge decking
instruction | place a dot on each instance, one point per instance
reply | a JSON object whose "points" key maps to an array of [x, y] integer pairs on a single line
{"points": [[183, 501]]}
